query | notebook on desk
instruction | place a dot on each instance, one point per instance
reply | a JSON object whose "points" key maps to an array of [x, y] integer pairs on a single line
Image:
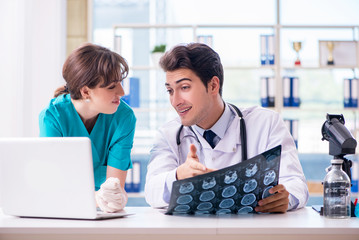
{"points": [[49, 178]]}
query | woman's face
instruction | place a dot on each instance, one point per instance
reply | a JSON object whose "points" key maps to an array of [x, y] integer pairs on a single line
{"points": [[106, 99]]}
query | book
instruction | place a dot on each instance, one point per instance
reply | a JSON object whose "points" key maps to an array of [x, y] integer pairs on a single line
{"points": [[292, 126], [131, 86], [118, 44], [347, 102], [264, 92], [295, 100], [291, 92], [354, 93], [263, 43], [133, 178], [267, 91], [128, 182], [286, 92], [351, 92], [271, 91]]}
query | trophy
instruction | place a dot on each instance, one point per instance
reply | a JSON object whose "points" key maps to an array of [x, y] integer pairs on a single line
{"points": [[330, 46], [297, 46]]}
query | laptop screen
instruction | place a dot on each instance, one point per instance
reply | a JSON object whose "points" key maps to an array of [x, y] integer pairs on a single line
{"points": [[47, 177]]}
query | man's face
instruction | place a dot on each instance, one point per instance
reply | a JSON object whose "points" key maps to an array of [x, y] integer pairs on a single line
{"points": [[189, 97]]}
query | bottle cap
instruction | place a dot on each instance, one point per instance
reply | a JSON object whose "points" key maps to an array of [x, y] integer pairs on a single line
{"points": [[337, 161]]}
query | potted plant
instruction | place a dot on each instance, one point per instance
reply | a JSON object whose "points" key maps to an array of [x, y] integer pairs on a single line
{"points": [[159, 48], [157, 53]]}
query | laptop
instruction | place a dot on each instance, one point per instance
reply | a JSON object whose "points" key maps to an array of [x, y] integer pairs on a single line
{"points": [[49, 178]]}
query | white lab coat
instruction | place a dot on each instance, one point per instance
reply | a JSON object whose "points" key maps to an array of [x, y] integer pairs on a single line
{"points": [[265, 130]]}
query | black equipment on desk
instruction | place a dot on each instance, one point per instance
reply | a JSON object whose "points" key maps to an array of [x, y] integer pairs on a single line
{"points": [[341, 142]]}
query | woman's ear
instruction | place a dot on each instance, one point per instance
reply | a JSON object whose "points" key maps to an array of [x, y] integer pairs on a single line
{"points": [[85, 92]]}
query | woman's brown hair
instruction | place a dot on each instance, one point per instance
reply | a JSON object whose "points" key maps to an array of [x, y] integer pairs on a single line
{"points": [[90, 65]]}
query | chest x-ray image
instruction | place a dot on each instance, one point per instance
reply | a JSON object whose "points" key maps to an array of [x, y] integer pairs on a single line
{"points": [[232, 190]]}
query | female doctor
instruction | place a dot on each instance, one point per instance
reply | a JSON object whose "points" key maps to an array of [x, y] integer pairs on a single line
{"points": [[90, 105], [194, 80]]}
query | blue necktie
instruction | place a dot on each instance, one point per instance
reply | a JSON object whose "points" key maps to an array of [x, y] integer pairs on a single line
{"points": [[209, 136]]}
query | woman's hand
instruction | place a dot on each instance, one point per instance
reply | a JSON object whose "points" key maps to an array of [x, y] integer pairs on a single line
{"points": [[111, 197]]}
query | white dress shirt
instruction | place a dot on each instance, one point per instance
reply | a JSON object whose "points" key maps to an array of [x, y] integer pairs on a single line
{"points": [[265, 130], [220, 127]]}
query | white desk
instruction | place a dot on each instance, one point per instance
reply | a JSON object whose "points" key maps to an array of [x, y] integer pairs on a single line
{"points": [[150, 223]]}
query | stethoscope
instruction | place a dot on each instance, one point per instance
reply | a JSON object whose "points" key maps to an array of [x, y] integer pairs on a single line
{"points": [[243, 133]]}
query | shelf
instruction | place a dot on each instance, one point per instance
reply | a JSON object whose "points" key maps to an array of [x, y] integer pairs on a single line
{"points": [[271, 67], [320, 26], [318, 109], [232, 26], [252, 70], [225, 67], [136, 195], [310, 115], [318, 67], [146, 26], [145, 68], [169, 109]]}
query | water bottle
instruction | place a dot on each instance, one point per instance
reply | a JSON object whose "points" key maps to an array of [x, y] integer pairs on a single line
{"points": [[337, 200]]}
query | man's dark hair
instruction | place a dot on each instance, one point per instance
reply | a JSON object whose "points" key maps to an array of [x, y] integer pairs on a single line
{"points": [[199, 58]]}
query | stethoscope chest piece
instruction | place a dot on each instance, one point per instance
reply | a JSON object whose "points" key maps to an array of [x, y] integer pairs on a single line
{"points": [[243, 134]]}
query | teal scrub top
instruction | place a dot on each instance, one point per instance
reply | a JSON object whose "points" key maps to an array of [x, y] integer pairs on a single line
{"points": [[111, 137]]}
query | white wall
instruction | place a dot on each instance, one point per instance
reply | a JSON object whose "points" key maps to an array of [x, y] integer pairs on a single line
{"points": [[33, 46]]}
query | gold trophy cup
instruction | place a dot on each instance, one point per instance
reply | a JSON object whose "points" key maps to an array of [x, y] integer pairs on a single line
{"points": [[297, 46], [330, 46]]}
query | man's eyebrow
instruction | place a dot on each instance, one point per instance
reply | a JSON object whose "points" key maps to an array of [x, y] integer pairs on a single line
{"points": [[178, 81]]}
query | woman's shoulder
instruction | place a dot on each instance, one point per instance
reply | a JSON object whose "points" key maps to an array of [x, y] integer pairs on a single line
{"points": [[60, 101], [57, 105], [124, 108], [124, 114]]}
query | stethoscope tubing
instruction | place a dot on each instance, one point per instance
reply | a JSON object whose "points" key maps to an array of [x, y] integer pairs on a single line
{"points": [[243, 133]]}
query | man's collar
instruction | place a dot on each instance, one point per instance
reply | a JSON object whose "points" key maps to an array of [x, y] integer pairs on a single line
{"points": [[220, 127]]}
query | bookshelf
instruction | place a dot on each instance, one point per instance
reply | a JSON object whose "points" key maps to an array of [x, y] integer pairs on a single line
{"points": [[158, 111], [278, 70]]}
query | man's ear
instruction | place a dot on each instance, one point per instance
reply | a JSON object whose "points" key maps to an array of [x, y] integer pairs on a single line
{"points": [[213, 85], [85, 92]]}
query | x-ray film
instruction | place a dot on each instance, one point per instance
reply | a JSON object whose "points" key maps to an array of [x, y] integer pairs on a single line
{"points": [[235, 189]]}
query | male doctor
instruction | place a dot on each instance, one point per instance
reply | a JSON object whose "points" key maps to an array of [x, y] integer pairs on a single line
{"points": [[194, 80]]}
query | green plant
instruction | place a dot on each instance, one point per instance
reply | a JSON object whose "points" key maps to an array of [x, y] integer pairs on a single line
{"points": [[159, 48]]}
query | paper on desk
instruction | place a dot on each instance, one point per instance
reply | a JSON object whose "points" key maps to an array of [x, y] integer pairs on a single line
{"points": [[235, 189]]}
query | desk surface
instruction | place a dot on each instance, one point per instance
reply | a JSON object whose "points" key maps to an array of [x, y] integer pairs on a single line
{"points": [[151, 223]]}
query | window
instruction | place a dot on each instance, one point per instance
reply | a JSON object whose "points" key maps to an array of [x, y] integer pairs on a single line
{"points": [[308, 21]]}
